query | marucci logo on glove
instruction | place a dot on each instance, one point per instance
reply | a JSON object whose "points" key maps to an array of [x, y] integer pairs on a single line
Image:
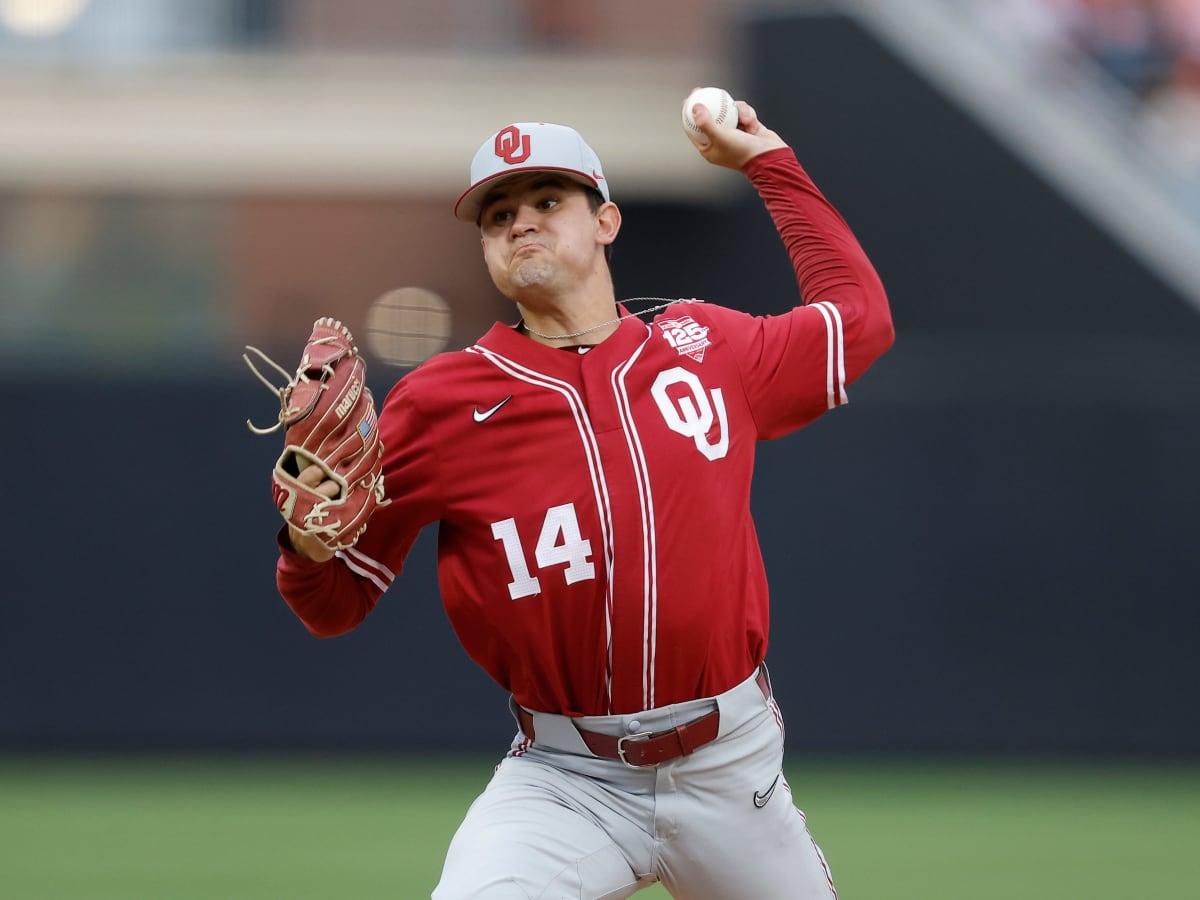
{"points": [[285, 499], [352, 395]]}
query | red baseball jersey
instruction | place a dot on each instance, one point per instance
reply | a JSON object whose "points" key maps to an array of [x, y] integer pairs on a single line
{"points": [[596, 552]]}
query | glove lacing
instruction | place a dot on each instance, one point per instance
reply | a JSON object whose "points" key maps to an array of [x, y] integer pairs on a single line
{"points": [[284, 393]]}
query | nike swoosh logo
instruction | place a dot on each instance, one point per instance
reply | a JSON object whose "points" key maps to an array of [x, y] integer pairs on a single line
{"points": [[760, 799], [488, 413]]}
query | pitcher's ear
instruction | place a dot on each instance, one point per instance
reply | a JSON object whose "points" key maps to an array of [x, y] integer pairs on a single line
{"points": [[608, 217]]}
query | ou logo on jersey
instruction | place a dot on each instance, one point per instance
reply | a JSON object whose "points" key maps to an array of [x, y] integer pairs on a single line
{"points": [[693, 415], [512, 146]]}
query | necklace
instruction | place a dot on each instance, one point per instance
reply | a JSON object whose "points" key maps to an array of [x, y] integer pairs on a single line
{"points": [[644, 312]]}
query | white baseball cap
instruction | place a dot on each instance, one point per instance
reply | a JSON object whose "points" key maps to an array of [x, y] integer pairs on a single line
{"points": [[529, 147]]}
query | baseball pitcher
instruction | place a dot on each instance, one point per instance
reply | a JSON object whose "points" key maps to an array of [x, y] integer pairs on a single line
{"points": [[588, 470]]}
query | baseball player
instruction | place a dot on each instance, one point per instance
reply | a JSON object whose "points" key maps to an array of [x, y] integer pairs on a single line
{"points": [[589, 471]]}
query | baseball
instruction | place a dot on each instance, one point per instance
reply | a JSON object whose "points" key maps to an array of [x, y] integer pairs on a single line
{"points": [[721, 107]]}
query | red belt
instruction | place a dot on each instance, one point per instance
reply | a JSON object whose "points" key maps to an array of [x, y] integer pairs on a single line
{"points": [[651, 748]]}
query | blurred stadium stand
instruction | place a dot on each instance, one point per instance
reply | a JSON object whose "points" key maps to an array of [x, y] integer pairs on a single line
{"points": [[209, 126], [1005, 560], [175, 144], [1101, 96]]}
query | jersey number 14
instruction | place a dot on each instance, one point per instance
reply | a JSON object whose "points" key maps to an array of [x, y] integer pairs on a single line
{"points": [[559, 543]]}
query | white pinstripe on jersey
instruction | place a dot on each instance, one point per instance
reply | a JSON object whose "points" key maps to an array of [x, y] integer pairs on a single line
{"points": [[587, 437], [649, 546]]}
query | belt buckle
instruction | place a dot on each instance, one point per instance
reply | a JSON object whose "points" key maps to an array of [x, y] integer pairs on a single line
{"points": [[640, 736]]}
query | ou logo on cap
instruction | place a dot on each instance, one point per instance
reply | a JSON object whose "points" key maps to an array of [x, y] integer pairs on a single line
{"points": [[512, 146]]}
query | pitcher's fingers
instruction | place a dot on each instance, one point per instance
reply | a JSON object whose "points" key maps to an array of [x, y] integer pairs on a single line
{"points": [[314, 477], [747, 117], [311, 475]]}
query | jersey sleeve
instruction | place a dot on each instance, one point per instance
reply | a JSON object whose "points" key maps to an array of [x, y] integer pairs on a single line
{"points": [[796, 366], [333, 597]]}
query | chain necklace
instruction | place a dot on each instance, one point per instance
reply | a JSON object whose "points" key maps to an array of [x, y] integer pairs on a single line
{"points": [[618, 319]]}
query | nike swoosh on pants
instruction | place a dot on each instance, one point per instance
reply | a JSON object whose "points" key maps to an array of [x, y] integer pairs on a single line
{"points": [[760, 798]]}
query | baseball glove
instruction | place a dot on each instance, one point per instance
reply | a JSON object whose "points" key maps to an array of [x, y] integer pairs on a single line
{"points": [[329, 418]]}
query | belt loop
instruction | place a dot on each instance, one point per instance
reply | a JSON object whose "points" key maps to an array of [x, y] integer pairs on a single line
{"points": [[525, 722], [685, 743], [763, 678]]}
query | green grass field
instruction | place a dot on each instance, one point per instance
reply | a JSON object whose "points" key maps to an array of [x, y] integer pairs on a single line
{"points": [[351, 828]]}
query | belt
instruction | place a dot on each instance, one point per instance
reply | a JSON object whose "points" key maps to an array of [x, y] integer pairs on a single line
{"points": [[649, 748]]}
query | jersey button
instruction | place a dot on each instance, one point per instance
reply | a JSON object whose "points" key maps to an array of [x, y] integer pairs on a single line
{"points": [[634, 725]]}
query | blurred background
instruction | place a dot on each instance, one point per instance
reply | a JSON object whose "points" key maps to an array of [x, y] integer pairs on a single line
{"points": [[992, 553]]}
